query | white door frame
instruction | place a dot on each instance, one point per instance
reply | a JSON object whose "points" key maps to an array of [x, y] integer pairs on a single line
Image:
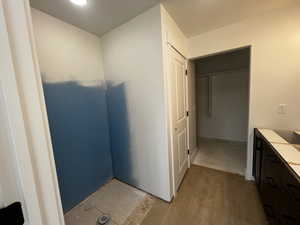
{"points": [[22, 87], [188, 119], [249, 154], [16, 128]]}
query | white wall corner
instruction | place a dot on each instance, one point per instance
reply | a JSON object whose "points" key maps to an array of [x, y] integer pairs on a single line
{"points": [[174, 35]]}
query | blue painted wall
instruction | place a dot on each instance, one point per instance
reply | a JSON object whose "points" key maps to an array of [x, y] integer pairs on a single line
{"points": [[119, 132], [80, 135]]}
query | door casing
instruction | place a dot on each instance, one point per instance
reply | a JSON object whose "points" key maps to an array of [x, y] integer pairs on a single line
{"points": [[27, 117]]}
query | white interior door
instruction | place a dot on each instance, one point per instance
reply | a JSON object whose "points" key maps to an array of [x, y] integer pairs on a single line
{"points": [[177, 91]]}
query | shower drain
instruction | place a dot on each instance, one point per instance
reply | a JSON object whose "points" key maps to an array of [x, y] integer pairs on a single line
{"points": [[103, 220]]}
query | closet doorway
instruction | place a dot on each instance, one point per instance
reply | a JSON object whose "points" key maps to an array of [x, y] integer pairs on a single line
{"points": [[222, 97]]}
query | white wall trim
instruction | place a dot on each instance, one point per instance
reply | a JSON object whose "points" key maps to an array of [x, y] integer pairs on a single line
{"points": [[187, 109], [18, 136], [28, 84], [168, 110], [249, 166]]}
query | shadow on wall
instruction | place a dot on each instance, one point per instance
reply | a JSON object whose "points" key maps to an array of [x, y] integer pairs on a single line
{"points": [[80, 135], [119, 132]]}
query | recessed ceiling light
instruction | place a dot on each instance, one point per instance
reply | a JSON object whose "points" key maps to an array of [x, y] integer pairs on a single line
{"points": [[79, 2]]}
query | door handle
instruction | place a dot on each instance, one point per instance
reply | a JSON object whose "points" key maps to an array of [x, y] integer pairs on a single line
{"points": [[12, 214]]}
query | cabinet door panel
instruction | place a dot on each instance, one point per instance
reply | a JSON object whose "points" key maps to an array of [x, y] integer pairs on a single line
{"points": [[271, 214], [270, 191], [290, 208], [286, 220]]}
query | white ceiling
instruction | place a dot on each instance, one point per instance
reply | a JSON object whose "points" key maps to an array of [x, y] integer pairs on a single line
{"points": [[98, 16], [198, 16], [192, 16]]}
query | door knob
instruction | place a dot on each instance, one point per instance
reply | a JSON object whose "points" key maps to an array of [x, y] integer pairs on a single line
{"points": [[12, 214]]}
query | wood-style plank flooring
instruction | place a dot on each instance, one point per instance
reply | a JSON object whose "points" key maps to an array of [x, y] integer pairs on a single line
{"points": [[210, 197]]}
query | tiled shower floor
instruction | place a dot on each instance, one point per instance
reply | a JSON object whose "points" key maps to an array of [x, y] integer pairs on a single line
{"points": [[125, 205]]}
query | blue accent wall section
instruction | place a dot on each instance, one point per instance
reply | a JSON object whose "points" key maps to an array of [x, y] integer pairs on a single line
{"points": [[119, 132], [79, 128]]}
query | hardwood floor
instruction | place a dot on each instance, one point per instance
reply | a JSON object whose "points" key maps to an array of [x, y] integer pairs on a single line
{"points": [[210, 197]]}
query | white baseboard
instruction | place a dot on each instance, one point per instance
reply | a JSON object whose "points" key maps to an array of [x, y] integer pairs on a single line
{"points": [[199, 138], [249, 177]]}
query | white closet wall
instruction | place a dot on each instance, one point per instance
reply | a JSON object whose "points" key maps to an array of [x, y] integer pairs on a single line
{"points": [[133, 66], [228, 119]]}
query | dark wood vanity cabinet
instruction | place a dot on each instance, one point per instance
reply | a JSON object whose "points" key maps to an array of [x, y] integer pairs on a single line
{"points": [[278, 186]]}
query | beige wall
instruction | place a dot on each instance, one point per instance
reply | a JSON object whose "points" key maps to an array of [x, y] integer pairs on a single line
{"points": [[172, 32], [66, 53], [70, 62], [229, 106], [275, 67]]}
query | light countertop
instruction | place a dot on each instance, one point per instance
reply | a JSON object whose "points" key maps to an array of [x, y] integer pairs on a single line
{"points": [[272, 136], [287, 151]]}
